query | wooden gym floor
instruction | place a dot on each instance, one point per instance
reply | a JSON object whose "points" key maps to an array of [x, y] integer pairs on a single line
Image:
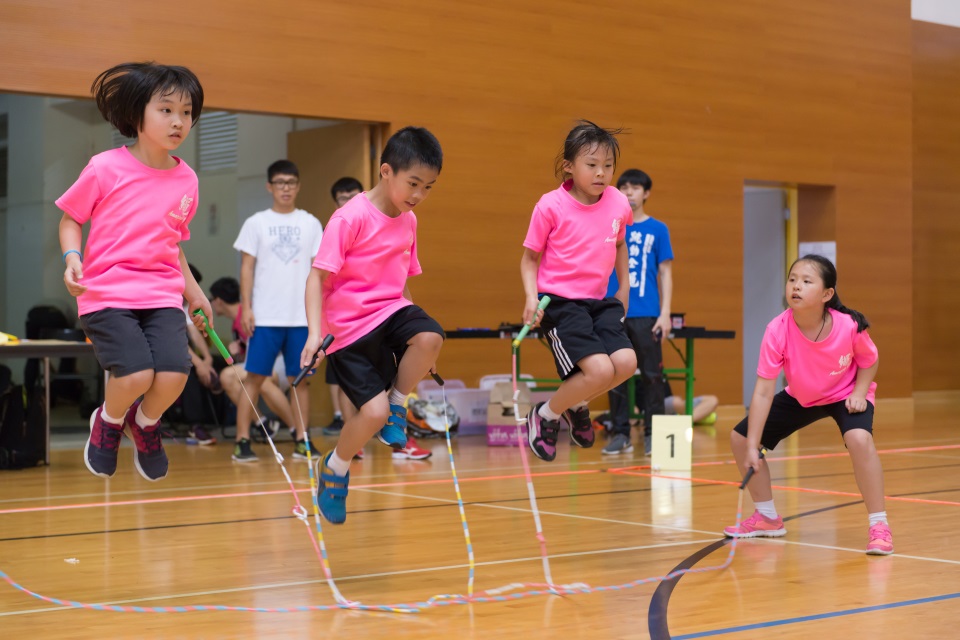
{"points": [[220, 533]]}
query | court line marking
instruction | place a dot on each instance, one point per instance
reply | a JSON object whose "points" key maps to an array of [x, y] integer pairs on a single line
{"points": [[365, 576], [817, 616]]}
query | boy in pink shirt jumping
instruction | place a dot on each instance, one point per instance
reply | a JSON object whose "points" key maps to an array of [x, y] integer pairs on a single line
{"points": [[357, 291], [829, 361], [139, 201], [575, 239]]}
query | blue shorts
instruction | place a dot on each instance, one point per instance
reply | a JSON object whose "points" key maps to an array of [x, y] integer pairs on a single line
{"points": [[267, 342]]}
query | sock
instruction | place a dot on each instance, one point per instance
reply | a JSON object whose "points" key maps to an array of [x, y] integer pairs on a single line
{"points": [[396, 397], [766, 509], [143, 421], [109, 419], [878, 517], [547, 413], [337, 414], [337, 464]]}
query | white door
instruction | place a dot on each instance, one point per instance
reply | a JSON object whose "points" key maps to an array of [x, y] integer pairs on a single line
{"points": [[764, 258]]}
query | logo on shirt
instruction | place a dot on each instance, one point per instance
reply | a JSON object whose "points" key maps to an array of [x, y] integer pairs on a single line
{"points": [[844, 364], [616, 231], [286, 242], [185, 203], [409, 248]]}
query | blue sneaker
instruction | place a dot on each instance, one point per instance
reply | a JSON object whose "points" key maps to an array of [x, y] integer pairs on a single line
{"points": [[394, 433], [331, 492]]}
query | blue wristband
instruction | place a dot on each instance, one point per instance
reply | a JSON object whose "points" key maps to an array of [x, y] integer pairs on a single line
{"points": [[68, 252]]}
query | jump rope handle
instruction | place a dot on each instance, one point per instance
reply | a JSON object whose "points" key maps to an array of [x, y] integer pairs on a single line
{"points": [[327, 341], [750, 471], [436, 378], [213, 336], [544, 301]]}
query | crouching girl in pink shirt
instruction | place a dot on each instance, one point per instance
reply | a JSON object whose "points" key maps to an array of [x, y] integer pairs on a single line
{"points": [[829, 361]]}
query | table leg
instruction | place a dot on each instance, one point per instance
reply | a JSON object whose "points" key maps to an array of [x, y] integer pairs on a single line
{"points": [[46, 406]]}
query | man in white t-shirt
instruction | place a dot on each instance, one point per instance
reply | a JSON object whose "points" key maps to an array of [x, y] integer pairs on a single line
{"points": [[277, 248]]}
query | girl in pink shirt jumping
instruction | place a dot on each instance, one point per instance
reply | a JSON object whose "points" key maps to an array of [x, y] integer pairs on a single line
{"points": [[575, 239], [132, 276], [829, 361], [357, 291]]}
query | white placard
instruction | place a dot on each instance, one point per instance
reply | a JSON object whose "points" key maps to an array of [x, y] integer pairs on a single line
{"points": [[672, 443], [826, 249]]}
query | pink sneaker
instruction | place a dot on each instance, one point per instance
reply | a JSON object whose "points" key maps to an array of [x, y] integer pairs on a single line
{"points": [[881, 540], [757, 526]]}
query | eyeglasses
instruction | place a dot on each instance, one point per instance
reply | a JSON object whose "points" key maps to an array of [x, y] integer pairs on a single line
{"points": [[285, 184]]}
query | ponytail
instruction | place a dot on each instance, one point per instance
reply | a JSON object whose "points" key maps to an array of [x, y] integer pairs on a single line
{"points": [[828, 273], [835, 304]]}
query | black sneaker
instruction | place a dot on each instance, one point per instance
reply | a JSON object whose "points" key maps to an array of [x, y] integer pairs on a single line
{"points": [[199, 435], [335, 426], [300, 450], [100, 452], [581, 426], [242, 452], [151, 459]]}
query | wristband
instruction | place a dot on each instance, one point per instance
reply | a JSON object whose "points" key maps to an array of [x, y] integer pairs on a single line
{"points": [[68, 252]]}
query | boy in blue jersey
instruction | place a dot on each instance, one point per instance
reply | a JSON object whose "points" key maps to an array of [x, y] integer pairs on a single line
{"points": [[648, 314]]}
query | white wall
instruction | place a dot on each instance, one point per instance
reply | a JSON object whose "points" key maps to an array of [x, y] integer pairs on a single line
{"points": [[939, 11]]}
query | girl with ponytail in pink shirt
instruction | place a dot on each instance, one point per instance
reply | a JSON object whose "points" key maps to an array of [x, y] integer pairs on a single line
{"points": [[829, 361]]}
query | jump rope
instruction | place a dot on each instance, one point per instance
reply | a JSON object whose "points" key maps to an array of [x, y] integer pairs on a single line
{"points": [[501, 594]]}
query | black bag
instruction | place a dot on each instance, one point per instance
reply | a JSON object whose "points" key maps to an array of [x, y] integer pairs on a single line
{"points": [[22, 425]]}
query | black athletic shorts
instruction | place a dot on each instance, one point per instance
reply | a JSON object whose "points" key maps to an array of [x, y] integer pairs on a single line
{"points": [[576, 329], [369, 366], [787, 416], [126, 341]]}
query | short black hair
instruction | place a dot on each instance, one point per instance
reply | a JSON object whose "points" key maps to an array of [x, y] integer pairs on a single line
{"points": [[411, 146], [123, 92], [284, 167], [227, 289], [636, 178], [345, 185], [196, 273], [585, 136]]}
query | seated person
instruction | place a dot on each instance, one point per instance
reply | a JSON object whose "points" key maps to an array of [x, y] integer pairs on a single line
{"points": [[225, 301], [704, 407]]}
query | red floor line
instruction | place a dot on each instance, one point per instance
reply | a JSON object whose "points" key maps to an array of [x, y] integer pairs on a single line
{"points": [[628, 472], [219, 496]]}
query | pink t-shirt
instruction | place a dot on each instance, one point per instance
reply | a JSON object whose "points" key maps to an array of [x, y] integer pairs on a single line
{"points": [[138, 217], [369, 256], [577, 242], [818, 373]]}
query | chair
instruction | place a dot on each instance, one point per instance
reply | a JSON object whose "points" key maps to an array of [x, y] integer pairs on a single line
{"points": [[65, 380]]}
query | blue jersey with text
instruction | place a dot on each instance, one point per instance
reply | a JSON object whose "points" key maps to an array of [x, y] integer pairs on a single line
{"points": [[648, 244]]}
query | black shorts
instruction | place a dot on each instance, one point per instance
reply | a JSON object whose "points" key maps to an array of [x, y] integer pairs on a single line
{"points": [[126, 341], [787, 416], [329, 376], [368, 367], [576, 329]]}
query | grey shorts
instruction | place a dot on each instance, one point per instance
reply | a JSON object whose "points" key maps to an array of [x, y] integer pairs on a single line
{"points": [[130, 340]]}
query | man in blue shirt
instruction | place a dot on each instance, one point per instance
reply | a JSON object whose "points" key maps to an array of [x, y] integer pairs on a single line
{"points": [[648, 315]]}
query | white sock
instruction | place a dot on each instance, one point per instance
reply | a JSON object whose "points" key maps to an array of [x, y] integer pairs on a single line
{"points": [[338, 414], [142, 420], [766, 509], [337, 464], [109, 419], [878, 517], [396, 397], [547, 413]]}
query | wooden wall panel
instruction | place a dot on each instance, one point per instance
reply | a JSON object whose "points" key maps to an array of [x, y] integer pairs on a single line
{"points": [[712, 95], [936, 196]]}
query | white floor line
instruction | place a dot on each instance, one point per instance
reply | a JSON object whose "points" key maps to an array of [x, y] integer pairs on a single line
{"points": [[365, 576]]}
